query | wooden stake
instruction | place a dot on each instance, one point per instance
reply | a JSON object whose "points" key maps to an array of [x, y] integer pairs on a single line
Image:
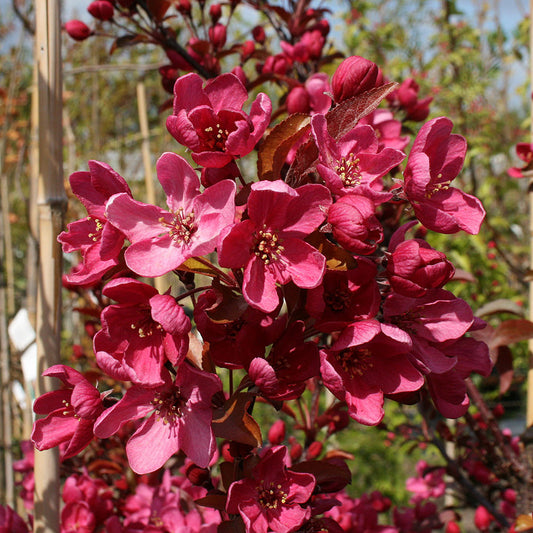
{"points": [[529, 413], [51, 204]]}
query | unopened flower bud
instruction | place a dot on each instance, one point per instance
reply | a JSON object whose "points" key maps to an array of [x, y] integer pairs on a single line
{"points": [[298, 101], [482, 518], [296, 451], [78, 30], [355, 75], [314, 450], [101, 9], [184, 7], [215, 12], [217, 35], [259, 35], [276, 434]]}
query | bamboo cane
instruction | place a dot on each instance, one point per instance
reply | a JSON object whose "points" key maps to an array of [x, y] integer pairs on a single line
{"points": [[51, 204]]}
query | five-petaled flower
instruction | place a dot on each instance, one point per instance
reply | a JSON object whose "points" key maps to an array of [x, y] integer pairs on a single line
{"points": [[71, 412], [434, 162], [180, 415], [210, 121], [99, 242], [269, 244], [162, 240], [274, 497], [140, 333]]}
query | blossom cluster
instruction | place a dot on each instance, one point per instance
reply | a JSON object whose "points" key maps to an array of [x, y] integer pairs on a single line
{"points": [[319, 278]]}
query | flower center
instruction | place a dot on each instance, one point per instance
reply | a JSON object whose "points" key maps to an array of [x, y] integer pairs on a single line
{"points": [[407, 320], [69, 409], [355, 361], [98, 227], [216, 138], [182, 226], [348, 170], [267, 245], [337, 300], [145, 326], [270, 496], [169, 405], [434, 188]]}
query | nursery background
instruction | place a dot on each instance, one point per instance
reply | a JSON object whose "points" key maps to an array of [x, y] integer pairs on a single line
{"points": [[89, 90]]}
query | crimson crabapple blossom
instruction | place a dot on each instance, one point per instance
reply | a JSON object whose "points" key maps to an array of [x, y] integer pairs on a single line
{"points": [[162, 240], [269, 244], [234, 343], [369, 360], [434, 161], [448, 389], [274, 497], [179, 418], [431, 321], [140, 333], [525, 152], [72, 412], [413, 266], [99, 242], [353, 163], [11, 522], [210, 121], [344, 296], [289, 364]]}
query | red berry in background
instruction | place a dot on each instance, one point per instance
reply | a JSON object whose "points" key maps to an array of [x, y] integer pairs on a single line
{"points": [[215, 12], [276, 433], [482, 518], [355, 75], [259, 35], [184, 7], [101, 10], [78, 30]]}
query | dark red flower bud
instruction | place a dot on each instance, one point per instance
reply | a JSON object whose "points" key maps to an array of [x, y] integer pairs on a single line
{"points": [[298, 101], [101, 10], [259, 35], [184, 7], [78, 30], [354, 224], [314, 450], [217, 35], [498, 410], [215, 12], [276, 434], [247, 49], [355, 75], [196, 475], [296, 451]]}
